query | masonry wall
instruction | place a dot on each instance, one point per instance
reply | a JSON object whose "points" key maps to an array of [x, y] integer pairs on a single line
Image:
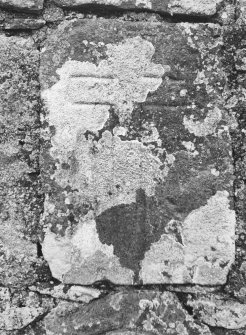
{"points": [[122, 162]]}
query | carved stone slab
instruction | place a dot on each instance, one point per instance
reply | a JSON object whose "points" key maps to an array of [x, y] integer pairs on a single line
{"points": [[136, 157]]}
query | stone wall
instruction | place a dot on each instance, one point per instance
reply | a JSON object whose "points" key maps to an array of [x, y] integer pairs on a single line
{"points": [[122, 127]]}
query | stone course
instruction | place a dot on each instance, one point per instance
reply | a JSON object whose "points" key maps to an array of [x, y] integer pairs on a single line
{"points": [[122, 127], [23, 5], [181, 7]]}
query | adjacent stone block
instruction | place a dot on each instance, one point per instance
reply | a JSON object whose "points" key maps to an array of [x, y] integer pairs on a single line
{"points": [[19, 146], [219, 311], [136, 157], [127, 313], [19, 309], [183, 7], [23, 5]]}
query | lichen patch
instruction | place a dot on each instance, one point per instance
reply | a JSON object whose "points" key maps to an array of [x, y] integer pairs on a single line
{"points": [[206, 127], [109, 172], [82, 98], [208, 236]]}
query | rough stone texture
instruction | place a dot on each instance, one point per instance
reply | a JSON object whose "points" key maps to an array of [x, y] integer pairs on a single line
{"points": [[23, 5], [183, 7], [19, 190], [137, 162], [125, 313]]}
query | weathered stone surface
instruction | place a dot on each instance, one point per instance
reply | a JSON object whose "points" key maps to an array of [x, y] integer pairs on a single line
{"points": [[23, 5], [125, 313], [24, 24], [187, 7], [137, 154], [219, 311], [19, 189]]}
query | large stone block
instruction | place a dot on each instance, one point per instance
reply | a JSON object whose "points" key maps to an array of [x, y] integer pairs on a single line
{"points": [[181, 7], [136, 159]]}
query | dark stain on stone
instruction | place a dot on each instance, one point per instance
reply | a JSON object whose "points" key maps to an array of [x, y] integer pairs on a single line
{"points": [[128, 229]]}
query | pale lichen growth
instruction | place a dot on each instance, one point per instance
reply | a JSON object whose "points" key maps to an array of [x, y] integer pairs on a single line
{"points": [[82, 98], [190, 147], [206, 127], [109, 172], [164, 262]]}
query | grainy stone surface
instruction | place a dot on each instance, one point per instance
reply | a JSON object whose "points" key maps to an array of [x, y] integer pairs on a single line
{"points": [[137, 164], [19, 131], [23, 5]]}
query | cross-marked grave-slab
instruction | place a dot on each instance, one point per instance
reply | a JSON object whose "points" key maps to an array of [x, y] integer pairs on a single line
{"points": [[136, 154]]}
